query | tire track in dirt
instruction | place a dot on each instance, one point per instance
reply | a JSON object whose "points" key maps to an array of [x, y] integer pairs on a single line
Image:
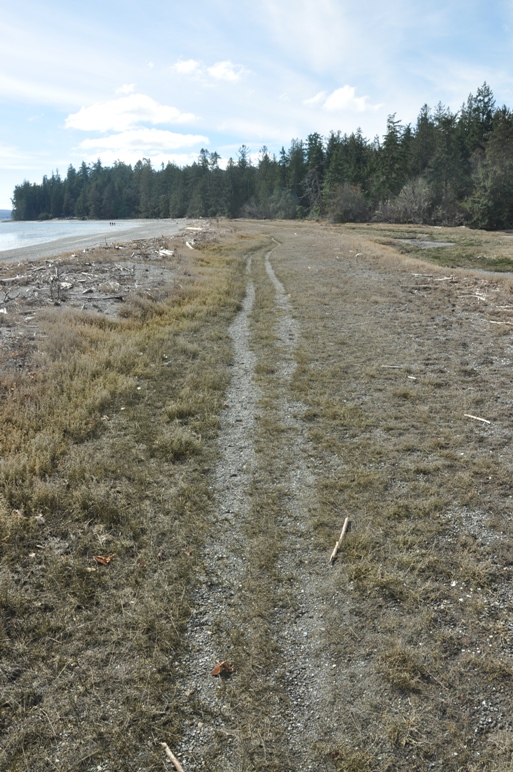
{"points": [[308, 664], [223, 626], [207, 636], [288, 329]]}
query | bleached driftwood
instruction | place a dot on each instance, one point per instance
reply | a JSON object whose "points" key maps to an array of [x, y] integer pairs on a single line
{"points": [[476, 418], [339, 542], [171, 756]]}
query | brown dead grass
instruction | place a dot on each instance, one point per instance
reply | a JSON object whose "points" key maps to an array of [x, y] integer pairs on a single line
{"points": [[393, 355], [106, 450], [109, 451]]}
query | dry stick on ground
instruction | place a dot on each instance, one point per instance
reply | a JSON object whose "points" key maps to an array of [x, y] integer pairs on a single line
{"points": [[476, 418], [171, 756], [337, 545]]}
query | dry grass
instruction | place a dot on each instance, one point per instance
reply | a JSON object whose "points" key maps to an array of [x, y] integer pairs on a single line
{"points": [[463, 247], [387, 372], [107, 444], [109, 451]]}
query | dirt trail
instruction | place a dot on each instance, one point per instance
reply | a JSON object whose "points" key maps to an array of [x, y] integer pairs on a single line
{"points": [[215, 738], [225, 557], [299, 673], [307, 661]]}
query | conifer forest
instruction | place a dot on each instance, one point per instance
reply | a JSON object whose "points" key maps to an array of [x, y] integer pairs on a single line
{"points": [[447, 169]]}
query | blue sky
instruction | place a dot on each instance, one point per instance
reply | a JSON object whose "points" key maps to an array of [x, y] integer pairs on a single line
{"points": [[121, 79]]}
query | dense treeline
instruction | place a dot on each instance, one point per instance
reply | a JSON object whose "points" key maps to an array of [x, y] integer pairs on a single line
{"points": [[450, 168]]}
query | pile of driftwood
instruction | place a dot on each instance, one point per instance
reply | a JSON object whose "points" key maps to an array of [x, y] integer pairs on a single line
{"points": [[81, 281]]}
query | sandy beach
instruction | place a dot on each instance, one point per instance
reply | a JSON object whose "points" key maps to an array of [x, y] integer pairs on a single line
{"points": [[121, 231]]}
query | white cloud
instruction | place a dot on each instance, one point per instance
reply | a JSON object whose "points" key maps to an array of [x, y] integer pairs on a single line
{"points": [[12, 158], [317, 99], [145, 141], [126, 88], [224, 70], [187, 67], [125, 113], [343, 99], [316, 32], [227, 71]]}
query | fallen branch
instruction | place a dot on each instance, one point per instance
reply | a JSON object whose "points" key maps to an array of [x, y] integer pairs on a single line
{"points": [[337, 545], [104, 297], [171, 756], [476, 418]]}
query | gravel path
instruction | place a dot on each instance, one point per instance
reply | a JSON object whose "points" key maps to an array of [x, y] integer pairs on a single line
{"points": [[225, 559], [303, 663], [300, 631]]}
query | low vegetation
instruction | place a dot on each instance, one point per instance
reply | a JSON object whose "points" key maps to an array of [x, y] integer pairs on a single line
{"points": [[387, 401], [109, 437]]}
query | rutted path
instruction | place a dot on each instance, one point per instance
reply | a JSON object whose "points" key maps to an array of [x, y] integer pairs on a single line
{"points": [[264, 464], [300, 631], [224, 558]]}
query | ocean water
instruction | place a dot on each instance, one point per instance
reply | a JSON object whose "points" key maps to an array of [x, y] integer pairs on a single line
{"points": [[16, 235]]}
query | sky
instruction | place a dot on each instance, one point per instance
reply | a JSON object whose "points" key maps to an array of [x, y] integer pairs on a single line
{"points": [[126, 80]]}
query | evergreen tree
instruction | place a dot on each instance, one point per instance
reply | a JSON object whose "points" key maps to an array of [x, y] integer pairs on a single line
{"points": [[449, 172], [491, 205], [296, 171], [392, 161], [476, 118], [423, 145], [266, 182], [446, 168]]}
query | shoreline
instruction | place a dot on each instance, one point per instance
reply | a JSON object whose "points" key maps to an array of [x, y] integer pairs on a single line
{"points": [[139, 229]]}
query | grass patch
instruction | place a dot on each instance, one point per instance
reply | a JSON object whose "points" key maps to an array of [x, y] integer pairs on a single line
{"points": [[463, 247], [108, 438]]}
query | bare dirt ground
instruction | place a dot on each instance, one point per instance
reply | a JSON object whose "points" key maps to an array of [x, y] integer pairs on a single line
{"points": [[364, 384]]}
